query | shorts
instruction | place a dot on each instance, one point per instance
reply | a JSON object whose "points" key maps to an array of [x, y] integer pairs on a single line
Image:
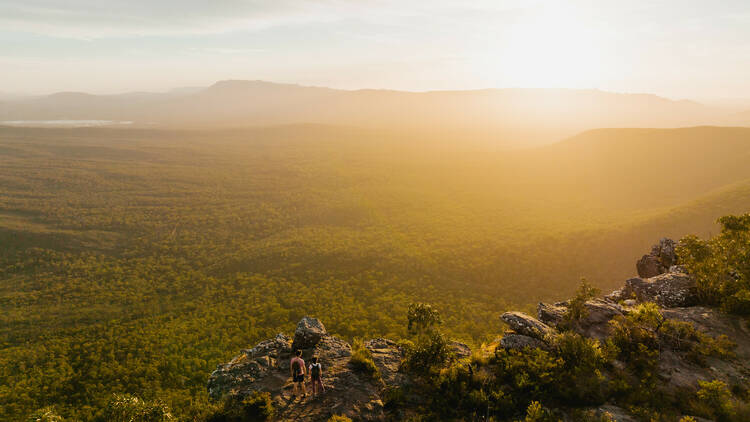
{"points": [[298, 378]]}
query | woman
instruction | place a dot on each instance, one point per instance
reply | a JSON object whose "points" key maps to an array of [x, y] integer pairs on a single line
{"points": [[316, 376]]}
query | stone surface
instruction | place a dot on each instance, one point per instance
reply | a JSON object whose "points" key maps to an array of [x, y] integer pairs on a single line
{"points": [[595, 323], [387, 357], [460, 350], [668, 290], [616, 413], [662, 256], [550, 314], [649, 266], [527, 325], [520, 341], [308, 333]]}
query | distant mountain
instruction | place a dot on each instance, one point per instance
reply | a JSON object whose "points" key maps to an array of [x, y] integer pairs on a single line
{"points": [[502, 116]]}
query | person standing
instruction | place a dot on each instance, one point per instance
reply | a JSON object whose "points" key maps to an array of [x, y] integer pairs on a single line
{"points": [[316, 376], [297, 366]]}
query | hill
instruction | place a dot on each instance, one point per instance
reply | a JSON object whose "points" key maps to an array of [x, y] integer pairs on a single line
{"points": [[495, 116], [136, 260]]}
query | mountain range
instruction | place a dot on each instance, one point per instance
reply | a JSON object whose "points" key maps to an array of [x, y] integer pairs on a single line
{"points": [[499, 116]]}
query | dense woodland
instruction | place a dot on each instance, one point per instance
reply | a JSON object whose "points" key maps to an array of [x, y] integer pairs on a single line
{"points": [[134, 261]]}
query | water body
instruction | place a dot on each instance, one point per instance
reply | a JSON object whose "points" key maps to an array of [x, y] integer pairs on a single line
{"points": [[64, 123]]}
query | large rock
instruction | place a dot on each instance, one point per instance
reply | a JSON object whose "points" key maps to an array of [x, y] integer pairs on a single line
{"points": [[520, 342], [594, 323], [247, 371], [308, 333], [527, 325], [649, 266], [668, 290], [662, 256], [387, 356], [550, 314]]}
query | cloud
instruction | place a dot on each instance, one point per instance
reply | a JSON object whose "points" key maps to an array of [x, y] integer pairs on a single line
{"points": [[115, 18]]}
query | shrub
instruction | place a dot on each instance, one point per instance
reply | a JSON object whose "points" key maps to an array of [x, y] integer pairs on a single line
{"points": [[715, 400], [46, 414], [127, 408], [721, 265], [393, 397], [339, 418], [428, 353], [576, 308], [583, 361], [536, 413], [255, 407], [361, 360], [422, 317], [683, 337]]}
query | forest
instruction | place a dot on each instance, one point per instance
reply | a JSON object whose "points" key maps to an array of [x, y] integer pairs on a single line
{"points": [[132, 261]]}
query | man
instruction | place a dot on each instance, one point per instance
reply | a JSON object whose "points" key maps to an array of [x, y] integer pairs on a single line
{"points": [[297, 366]]}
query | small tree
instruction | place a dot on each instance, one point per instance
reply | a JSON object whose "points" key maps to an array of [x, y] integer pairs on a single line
{"points": [[127, 408], [422, 318]]}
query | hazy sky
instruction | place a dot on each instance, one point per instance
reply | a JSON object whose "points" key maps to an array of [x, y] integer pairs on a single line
{"points": [[680, 49]]}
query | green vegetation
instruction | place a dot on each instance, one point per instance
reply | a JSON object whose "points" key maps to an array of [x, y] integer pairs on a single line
{"points": [[576, 310], [256, 407], [133, 261], [125, 408], [721, 264], [361, 360]]}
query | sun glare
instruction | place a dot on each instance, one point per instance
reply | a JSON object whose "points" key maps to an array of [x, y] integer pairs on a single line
{"points": [[554, 48]]}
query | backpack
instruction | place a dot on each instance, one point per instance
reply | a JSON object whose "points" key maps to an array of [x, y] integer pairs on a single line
{"points": [[315, 371], [296, 367]]}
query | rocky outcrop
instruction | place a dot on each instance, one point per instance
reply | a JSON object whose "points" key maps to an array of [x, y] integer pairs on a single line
{"points": [[527, 325], [551, 315], [308, 333], [659, 260], [520, 341], [265, 367], [593, 323], [668, 290]]}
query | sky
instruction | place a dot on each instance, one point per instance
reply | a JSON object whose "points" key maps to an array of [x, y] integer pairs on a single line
{"points": [[679, 49]]}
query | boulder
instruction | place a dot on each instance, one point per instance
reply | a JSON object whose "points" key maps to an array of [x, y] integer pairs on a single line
{"points": [[669, 290], [667, 252], [550, 314], [460, 350], [595, 323], [308, 333], [649, 266], [387, 356], [527, 325], [520, 341], [663, 255]]}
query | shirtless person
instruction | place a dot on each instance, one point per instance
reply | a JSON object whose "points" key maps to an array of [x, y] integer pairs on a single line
{"points": [[297, 366]]}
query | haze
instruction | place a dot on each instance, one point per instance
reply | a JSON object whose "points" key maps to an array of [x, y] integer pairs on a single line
{"points": [[677, 49]]}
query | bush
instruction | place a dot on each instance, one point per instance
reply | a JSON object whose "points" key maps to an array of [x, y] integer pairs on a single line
{"points": [[536, 413], [339, 418], [715, 400], [721, 265], [393, 397], [422, 317], [127, 408], [583, 361], [46, 414], [361, 360], [255, 407], [683, 337], [576, 308], [427, 354]]}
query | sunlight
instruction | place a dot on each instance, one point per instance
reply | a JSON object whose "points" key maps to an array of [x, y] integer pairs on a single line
{"points": [[554, 48]]}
